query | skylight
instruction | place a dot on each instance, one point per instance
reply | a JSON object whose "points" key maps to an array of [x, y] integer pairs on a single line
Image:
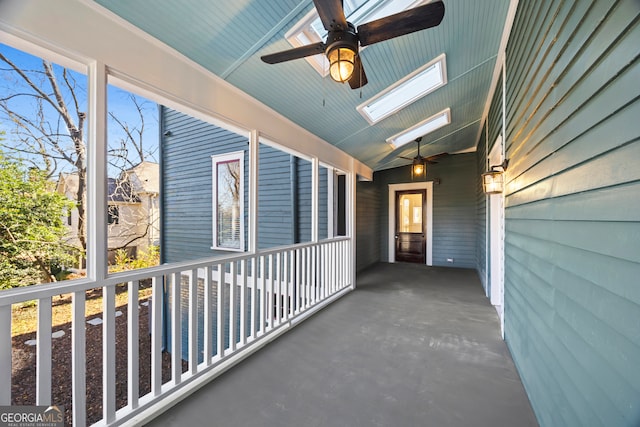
{"points": [[424, 127], [421, 82], [310, 30]]}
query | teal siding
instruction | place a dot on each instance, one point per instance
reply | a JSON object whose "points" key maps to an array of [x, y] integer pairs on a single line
{"points": [[572, 248], [454, 211], [454, 208], [367, 225], [494, 121]]}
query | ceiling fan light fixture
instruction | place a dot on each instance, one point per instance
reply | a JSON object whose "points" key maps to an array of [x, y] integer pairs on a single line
{"points": [[418, 167], [341, 63]]}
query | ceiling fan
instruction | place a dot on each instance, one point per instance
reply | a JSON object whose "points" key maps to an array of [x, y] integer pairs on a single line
{"points": [[343, 41], [419, 163]]}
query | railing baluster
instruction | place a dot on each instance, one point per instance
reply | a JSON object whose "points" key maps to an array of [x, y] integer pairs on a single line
{"points": [[254, 297], [220, 310], [133, 345], [340, 257], [286, 293], [263, 295], [233, 292], [208, 316], [176, 328], [5, 354], [326, 268], [109, 353], [157, 302], [296, 308], [193, 322], [283, 283], [334, 265], [243, 302], [43, 358], [278, 288], [304, 273], [314, 273]]}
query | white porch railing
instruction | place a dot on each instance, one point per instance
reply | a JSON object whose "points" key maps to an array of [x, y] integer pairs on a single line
{"points": [[222, 309]]}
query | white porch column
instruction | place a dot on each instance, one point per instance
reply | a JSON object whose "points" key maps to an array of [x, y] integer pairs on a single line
{"points": [[352, 180], [96, 213], [254, 145]]}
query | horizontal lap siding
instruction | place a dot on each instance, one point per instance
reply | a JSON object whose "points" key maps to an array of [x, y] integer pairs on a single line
{"points": [[275, 204], [572, 249], [454, 212], [303, 196], [454, 208], [187, 183], [368, 225]]}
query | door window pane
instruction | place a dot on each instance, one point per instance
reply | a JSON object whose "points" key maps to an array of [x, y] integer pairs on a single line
{"points": [[411, 213]]}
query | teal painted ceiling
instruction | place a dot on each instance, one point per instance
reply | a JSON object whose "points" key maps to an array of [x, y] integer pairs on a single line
{"points": [[228, 37]]}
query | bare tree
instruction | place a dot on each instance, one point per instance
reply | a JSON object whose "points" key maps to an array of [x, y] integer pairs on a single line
{"points": [[46, 105]]}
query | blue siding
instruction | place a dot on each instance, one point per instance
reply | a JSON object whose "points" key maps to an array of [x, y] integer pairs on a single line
{"points": [[187, 183], [284, 198], [275, 201], [572, 249]]}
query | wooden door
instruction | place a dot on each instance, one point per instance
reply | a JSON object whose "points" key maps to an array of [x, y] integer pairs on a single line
{"points": [[410, 226]]}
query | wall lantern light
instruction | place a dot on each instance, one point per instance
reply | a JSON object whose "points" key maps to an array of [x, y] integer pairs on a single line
{"points": [[493, 181]]}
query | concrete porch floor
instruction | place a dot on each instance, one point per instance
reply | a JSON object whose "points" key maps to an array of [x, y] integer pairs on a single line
{"points": [[411, 346]]}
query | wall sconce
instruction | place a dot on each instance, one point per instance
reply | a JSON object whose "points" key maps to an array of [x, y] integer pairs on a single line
{"points": [[493, 181]]}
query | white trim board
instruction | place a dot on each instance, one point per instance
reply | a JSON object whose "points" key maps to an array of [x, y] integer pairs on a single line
{"points": [[393, 188]]}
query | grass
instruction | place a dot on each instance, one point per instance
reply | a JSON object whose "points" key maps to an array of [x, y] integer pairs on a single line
{"points": [[24, 317]]}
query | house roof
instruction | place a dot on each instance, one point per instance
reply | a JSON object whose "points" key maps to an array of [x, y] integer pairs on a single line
{"points": [[121, 191], [117, 190], [145, 178]]}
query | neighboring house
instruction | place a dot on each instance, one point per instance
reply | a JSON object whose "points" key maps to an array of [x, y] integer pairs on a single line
{"points": [[144, 183], [132, 213]]}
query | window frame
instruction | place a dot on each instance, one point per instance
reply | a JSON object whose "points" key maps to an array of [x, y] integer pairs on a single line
{"points": [[217, 159]]}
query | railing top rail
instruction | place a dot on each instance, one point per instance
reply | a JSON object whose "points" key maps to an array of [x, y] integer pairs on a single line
{"points": [[27, 293]]}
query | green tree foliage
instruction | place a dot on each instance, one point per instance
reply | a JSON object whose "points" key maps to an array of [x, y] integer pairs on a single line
{"points": [[32, 247]]}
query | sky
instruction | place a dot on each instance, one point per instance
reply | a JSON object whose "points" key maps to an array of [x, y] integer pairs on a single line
{"points": [[14, 91]]}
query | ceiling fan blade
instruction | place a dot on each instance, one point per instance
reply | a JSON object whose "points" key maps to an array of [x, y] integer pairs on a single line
{"points": [[358, 78], [331, 14], [295, 53], [431, 159], [409, 21], [406, 158]]}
